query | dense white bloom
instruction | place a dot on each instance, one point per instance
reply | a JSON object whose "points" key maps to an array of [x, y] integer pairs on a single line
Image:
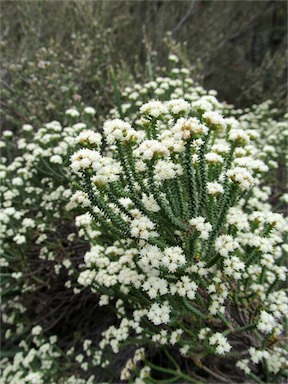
{"points": [[155, 286], [203, 228], [214, 120], [7, 133], [236, 217], [220, 342], [238, 136], [251, 164], [150, 256], [258, 355], [36, 330], [266, 322], [184, 287], [85, 159], [243, 364], [56, 159], [27, 128], [119, 130], [178, 106], [213, 158], [185, 129], [107, 170], [222, 147], [173, 58], [90, 137], [72, 112], [173, 258], [240, 176], [81, 198], [225, 244], [203, 333], [150, 203], [234, 267], [141, 227], [166, 169], [19, 239], [150, 149], [89, 111], [153, 109], [277, 360], [214, 188], [159, 314]]}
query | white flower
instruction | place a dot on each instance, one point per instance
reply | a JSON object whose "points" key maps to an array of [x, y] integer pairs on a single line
{"points": [[214, 188], [7, 133], [150, 203], [153, 109], [142, 227], [266, 322], [72, 112], [238, 135], [166, 169], [159, 314], [27, 128], [234, 267], [173, 258], [185, 129], [150, 149], [178, 106], [213, 158], [56, 159], [214, 119], [89, 137], [240, 176], [85, 159], [243, 364], [19, 239], [36, 330], [225, 244], [173, 58], [203, 333], [90, 111], [108, 171], [258, 355], [221, 343], [119, 130], [203, 228]]}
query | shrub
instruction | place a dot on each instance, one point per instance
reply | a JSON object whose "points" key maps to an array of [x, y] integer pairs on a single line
{"points": [[178, 238], [196, 269]]}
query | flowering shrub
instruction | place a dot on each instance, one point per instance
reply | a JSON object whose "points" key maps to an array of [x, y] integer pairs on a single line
{"points": [[39, 253], [195, 268], [177, 233]]}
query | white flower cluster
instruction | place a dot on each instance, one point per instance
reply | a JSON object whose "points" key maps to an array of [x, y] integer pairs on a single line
{"points": [[89, 137], [85, 159], [203, 228], [159, 314], [119, 131], [241, 176], [153, 109], [150, 149], [220, 342], [186, 129], [142, 227], [176, 243], [166, 170], [226, 244]]}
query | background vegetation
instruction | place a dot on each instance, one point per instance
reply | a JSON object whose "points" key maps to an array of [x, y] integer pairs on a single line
{"points": [[236, 47], [61, 54]]}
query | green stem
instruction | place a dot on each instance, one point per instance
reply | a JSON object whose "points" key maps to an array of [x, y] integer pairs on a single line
{"points": [[190, 179], [194, 310], [162, 203]]}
